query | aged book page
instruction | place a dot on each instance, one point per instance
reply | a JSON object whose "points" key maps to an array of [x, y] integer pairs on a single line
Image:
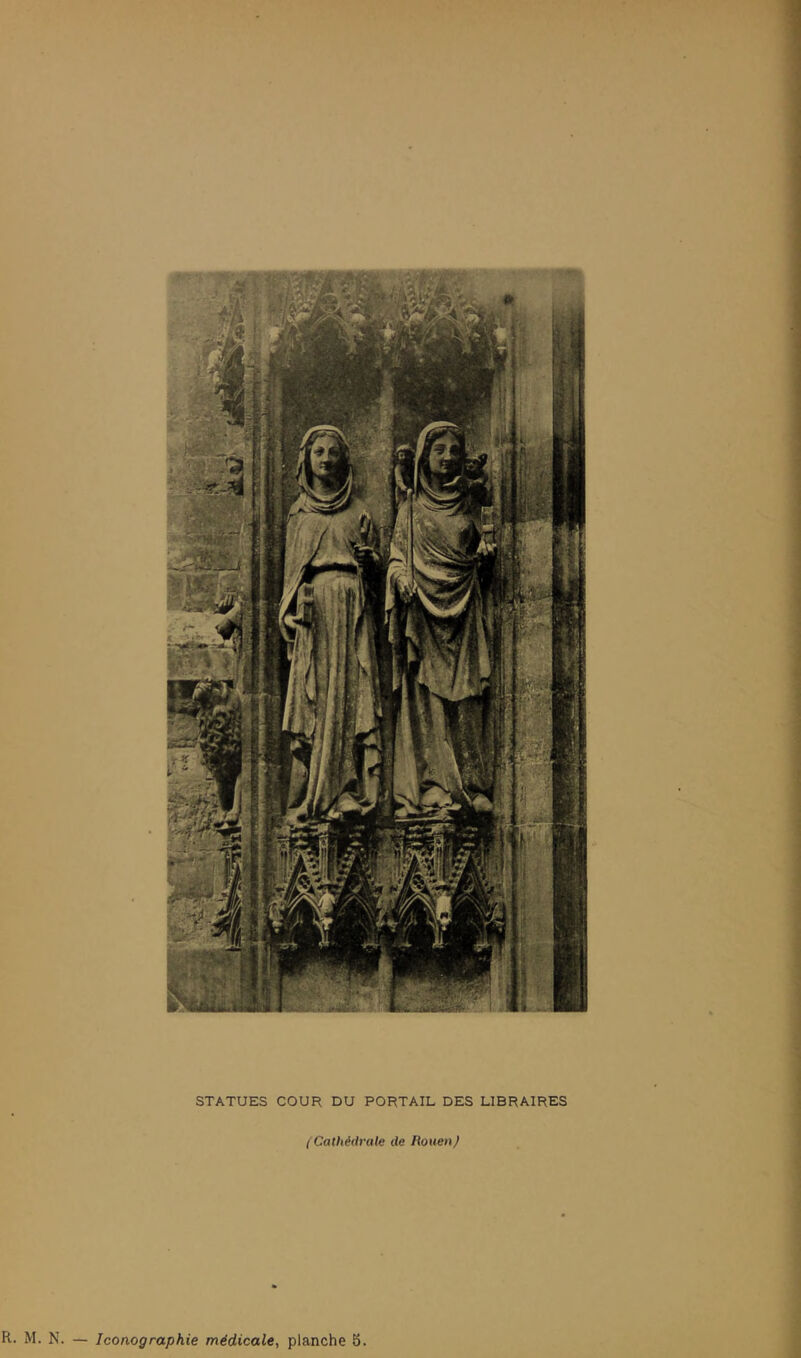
{"points": [[616, 1181]]}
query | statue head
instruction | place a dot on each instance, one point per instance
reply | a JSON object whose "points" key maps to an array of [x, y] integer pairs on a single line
{"points": [[440, 455], [475, 464], [324, 461], [236, 474], [208, 692], [327, 460]]}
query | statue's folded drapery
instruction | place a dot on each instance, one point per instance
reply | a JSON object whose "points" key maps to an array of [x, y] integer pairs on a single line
{"points": [[441, 656], [332, 708]]}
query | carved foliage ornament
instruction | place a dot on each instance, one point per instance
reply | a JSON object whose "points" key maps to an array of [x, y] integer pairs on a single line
{"points": [[432, 307], [429, 312], [432, 315], [226, 361], [318, 303]]}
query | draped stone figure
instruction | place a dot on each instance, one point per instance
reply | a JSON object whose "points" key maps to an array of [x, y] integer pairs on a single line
{"points": [[439, 635], [333, 707]]}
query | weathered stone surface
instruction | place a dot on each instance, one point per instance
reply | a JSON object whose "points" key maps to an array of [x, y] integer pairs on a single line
{"points": [[189, 475], [567, 645], [195, 649], [533, 792], [319, 983], [228, 582], [189, 916], [196, 515], [192, 804], [196, 662], [176, 589], [203, 978], [533, 722], [433, 984], [212, 551], [192, 807], [534, 639], [204, 521], [534, 481], [186, 764], [532, 916], [201, 590], [181, 729], [568, 793], [533, 543], [193, 877], [567, 708], [570, 917], [185, 362], [567, 583], [196, 843], [192, 629]]}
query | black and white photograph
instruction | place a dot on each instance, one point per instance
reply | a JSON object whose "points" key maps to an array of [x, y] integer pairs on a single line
{"points": [[401, 562], [376, 762]]}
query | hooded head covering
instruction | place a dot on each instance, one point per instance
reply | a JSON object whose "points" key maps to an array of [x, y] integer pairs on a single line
{"points": [[444, 498], [318, 502]]}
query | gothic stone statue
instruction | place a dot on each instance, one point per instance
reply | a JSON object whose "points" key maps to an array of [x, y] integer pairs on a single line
{"points": [[332, 706], [435, 603]]}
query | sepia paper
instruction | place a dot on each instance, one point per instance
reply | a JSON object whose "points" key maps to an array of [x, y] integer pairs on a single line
{"points": [[647, 1210]]}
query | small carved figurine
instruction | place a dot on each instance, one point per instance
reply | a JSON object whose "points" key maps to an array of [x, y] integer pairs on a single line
{"points": [[327, 903], [386, 918], [404, 465], [275, 914], [476, 476], [219, 719], [444, 909]]}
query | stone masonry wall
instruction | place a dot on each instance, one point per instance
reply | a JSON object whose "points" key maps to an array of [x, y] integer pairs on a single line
{"points": [[204, 520]]}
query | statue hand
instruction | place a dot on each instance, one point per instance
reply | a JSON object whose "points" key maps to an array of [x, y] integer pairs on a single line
{"points": [[485, 548], [406, 587], [366, 556], [225, 604]]}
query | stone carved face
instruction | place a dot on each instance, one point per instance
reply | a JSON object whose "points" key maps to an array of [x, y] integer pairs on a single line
{"points": [[327, 461], [445, 457], [236, 475]]}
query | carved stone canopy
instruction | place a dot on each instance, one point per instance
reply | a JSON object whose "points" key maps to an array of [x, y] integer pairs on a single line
{"points": [[428, 321], [427, 314], [322, 303], [432, 310]]}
